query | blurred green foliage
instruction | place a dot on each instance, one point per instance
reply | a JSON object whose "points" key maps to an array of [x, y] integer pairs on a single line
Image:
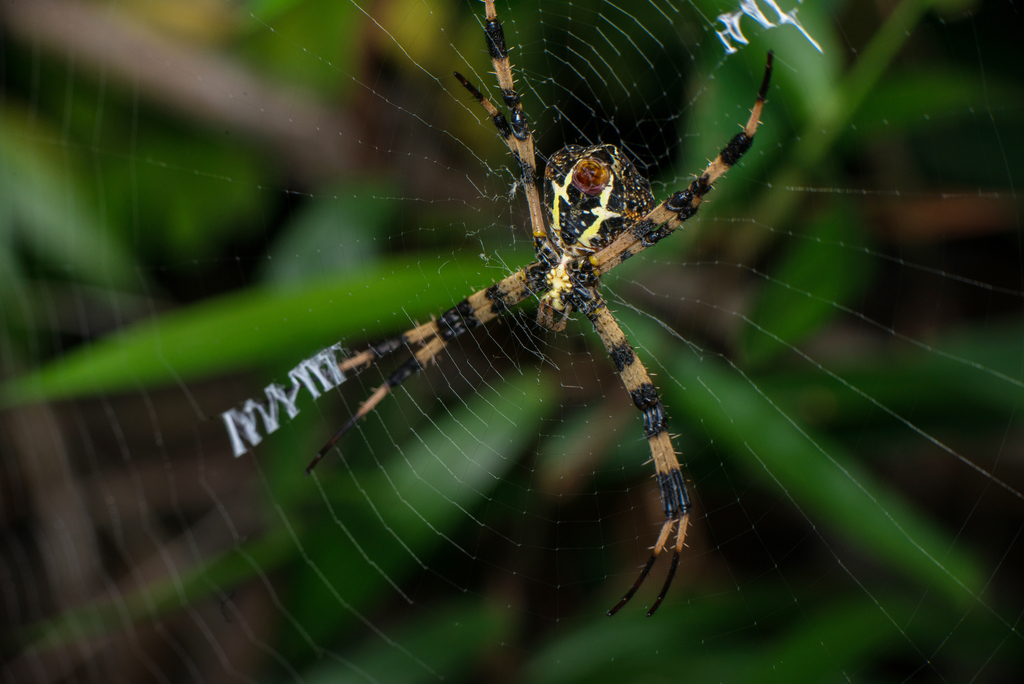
{"points": [[103, 188]]}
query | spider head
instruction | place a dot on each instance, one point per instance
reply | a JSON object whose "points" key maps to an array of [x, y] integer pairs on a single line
{"points": [[591, 194]]}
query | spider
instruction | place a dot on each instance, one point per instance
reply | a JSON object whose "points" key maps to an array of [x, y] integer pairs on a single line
{"points": [[597, 212]]}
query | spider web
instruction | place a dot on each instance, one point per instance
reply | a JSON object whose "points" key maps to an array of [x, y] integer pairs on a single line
{"points": [[197, 200]]}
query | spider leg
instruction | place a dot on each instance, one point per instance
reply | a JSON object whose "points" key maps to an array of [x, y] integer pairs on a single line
{"points": [[516, 133], [674, 497], [500, 122], [479, 308], [418, 335], [661, 221]]}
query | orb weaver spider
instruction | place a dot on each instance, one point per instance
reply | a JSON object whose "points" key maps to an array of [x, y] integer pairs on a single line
{"points": [[597, 212]]}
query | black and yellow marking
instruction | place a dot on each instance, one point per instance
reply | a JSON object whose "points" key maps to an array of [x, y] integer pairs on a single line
{"points": [[479, 308], [581, 222], [495, 38], [515, 130], [682, 205], [601, 212], [457, 320], [591, 195], [671, 484], [674, 497], [622, 355], [646, 399]]}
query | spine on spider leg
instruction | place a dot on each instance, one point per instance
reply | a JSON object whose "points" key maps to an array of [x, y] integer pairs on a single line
{"points": [[468, 314], [450, 325], [671, 484], [498, 51], [500, 122], [674, 497], [684, 204], [404, 372], [495, 39], [460, 317], [665, 218]]}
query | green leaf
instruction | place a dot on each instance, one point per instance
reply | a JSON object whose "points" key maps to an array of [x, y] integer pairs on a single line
{"points": [[443, 474], [375, 530], [182, 194], [333, 233], [967, 379], [312, 44], [813, 639], [48, 213], [823, 271], [827, 484], [258, 326], [902, 102], [442, 645]]}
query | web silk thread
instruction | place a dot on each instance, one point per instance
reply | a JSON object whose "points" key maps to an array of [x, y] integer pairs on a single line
{"points": [[318, 374]]}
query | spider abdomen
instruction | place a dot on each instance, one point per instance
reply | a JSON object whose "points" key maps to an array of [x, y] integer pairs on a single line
{"points": [[591, 195]]}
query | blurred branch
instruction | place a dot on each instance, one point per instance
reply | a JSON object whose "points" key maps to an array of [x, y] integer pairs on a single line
{"points": [[317, 140]]}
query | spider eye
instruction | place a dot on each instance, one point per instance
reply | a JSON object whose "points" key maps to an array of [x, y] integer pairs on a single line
{"points": [[591, 176]]}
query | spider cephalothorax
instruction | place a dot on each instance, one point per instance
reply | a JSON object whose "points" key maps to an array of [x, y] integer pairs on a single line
{"points": [[591, 195], [598, 212]]}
